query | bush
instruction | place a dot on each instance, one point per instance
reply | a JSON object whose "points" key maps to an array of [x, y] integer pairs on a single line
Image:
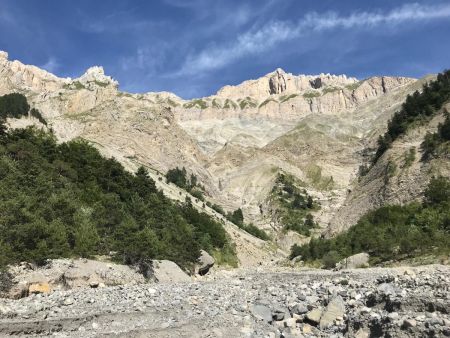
{"points": [[417, 108], [392, 232], [330, 259], [65, 200]]}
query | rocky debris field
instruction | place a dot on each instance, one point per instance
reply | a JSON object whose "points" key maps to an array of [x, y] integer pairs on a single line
{"points": [[373, 302]]}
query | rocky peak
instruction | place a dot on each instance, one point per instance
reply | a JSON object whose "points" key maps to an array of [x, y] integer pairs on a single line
{"points": [[277, 83], [3, 55], [96, 76]]}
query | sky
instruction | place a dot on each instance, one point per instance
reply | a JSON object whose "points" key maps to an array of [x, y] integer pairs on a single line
{"points": [[194, 47]]}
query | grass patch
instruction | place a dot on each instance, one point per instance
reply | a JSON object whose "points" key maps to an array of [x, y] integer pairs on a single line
{"points": [[330, 90], [230, 104], [353, 86], [196, 103], [285, 98], [311, 95], [75, 85], [226, 256], [247, 103], [317, 180], [267, 101]]}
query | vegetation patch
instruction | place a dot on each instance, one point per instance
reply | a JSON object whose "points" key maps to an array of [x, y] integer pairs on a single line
{"points": [[230, 104], [172, 103], [330, 90], [417, 109], [180, 178], [66, 200], [391, 232], [354, 86], [311, 95], [293, 204], [267, 101], [409, 157], [101, 84], [75, 85], [438, 144], [237, 217], [216, 104], [247, 103], [317, 180], [285, 98], [199, 103]]}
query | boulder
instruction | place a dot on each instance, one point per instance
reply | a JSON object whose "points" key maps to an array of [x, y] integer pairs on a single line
{"points": [[353, 262], [37, 288], [334, 310], [261, 311], [313, 316], [205, 262], [167, 271]]}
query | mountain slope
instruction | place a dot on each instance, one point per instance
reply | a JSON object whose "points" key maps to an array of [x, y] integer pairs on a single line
{"points": [[316, 128]]}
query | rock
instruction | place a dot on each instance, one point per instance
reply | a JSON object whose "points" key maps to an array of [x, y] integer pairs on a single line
{"points": [[362, 333], [94, 284], [299, 309], [316, 83], [356, 261], [335, 309], [38, 288], [408, 323], [19, 290], [393, 316], [261, 311], [167, 271], [205, 262], [290, 322], [314, 316], [277, 83], [68, 301]]}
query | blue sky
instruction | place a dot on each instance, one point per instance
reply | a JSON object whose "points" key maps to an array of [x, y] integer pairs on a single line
{"points": [[194, 47]]}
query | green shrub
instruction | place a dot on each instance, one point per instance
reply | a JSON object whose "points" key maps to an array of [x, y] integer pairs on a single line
{"points": [[66, 200], [311, 95], [417, 108], [330, 259], [392, 232]]}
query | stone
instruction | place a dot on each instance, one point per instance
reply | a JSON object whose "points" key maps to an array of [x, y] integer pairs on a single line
{"points": [[299, 309], [335, 309], [277, 82], [393, 316], [280, 313], [68, 301], [408, 323], [356, 261], [362, 333], [314, 316], [167, 271], [205, 262], [290, 322], [261, 312], [38, 288]]}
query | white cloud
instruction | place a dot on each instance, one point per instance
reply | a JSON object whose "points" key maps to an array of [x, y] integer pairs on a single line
{"points": [[51, 65], [266, 37]]}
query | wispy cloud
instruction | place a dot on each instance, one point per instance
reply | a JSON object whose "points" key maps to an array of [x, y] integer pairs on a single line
{"points": [[52, 65], [259, 39]]}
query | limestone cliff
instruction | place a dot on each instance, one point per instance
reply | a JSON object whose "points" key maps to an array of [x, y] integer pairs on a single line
{"points": [[315, 127]]}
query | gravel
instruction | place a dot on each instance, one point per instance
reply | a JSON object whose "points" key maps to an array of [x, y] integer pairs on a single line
{"points": [[397, 302]]}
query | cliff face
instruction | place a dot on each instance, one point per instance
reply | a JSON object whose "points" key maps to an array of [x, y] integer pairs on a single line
{"points": [[236, 141]]}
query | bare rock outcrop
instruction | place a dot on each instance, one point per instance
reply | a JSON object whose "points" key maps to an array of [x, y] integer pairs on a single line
{"points": [[277, 82]]}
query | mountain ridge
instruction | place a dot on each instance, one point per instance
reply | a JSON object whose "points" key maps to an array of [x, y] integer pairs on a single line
{"points": [[313, 127]]}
